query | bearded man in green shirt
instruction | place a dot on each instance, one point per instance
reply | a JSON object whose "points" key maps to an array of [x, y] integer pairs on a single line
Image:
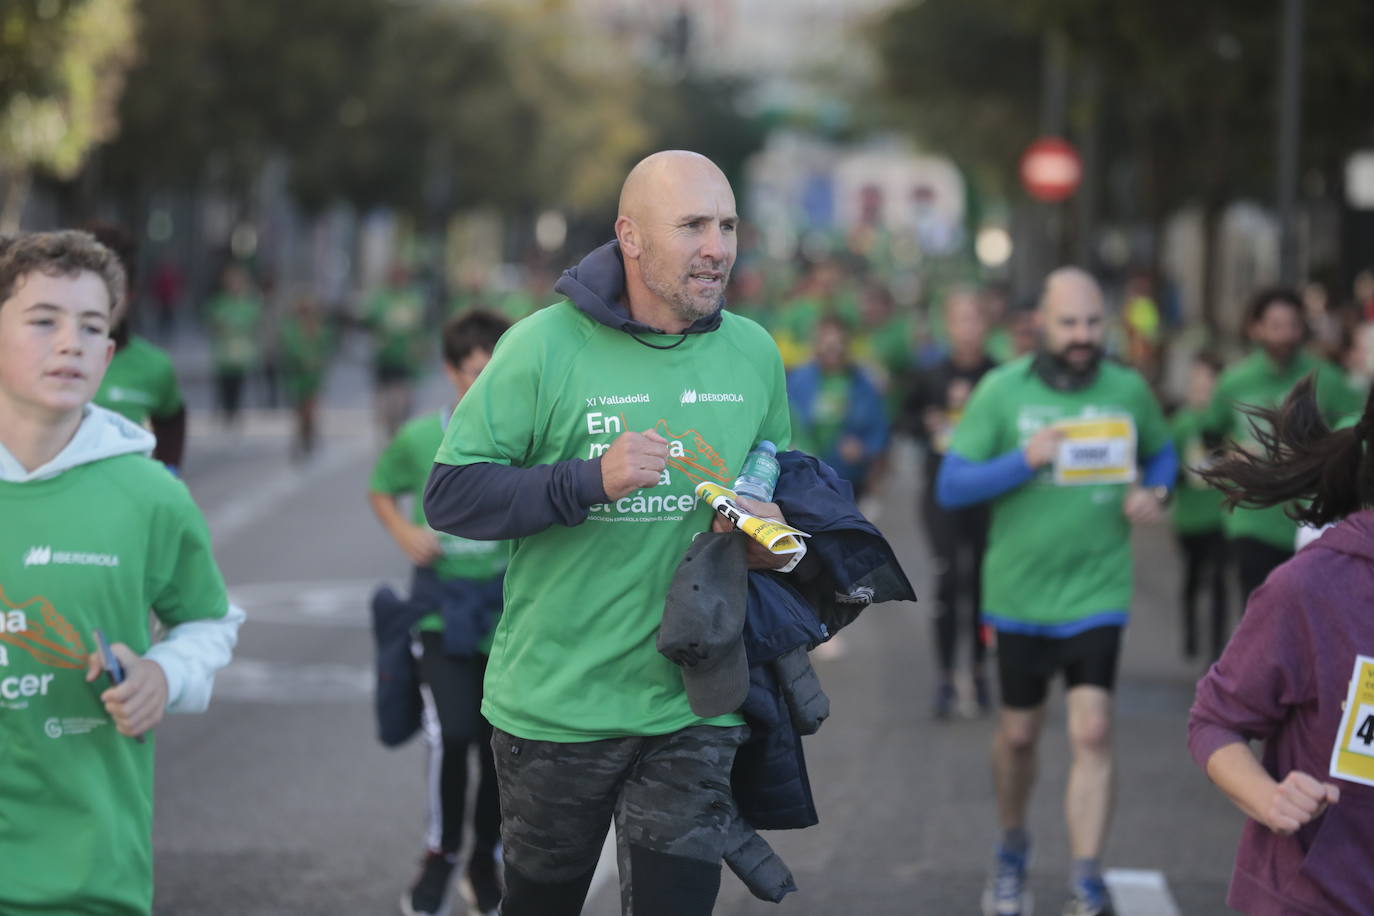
{"points": [[1071, 450], [1261, 539], [583, 441]]}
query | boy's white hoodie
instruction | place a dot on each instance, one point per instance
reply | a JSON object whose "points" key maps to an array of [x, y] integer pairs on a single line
{"points": [[190, 653]]}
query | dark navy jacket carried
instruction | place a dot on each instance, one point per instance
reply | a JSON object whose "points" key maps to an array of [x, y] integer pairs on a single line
{"points": [[849, 565]]}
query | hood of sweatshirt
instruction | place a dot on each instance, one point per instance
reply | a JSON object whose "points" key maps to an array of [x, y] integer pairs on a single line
{"points": [[102, 434], [1353, 535], [596, 285]]}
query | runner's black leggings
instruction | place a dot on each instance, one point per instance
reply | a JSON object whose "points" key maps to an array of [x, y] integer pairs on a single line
{"points": [[1204, 563], [453, 687], [230, 385], [1255, 560], [958, 540]]}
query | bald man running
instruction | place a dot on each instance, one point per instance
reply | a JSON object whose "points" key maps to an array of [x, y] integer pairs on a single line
{"points": [[584, 439], [1070, 450]]}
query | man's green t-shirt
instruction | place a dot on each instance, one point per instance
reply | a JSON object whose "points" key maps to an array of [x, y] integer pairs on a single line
{"points": [[234, 323], [140, 383], [574, 657], [1258, 381], [403, 469], [1197, 507], [397, 317], [96, 546], [1059, 554]]}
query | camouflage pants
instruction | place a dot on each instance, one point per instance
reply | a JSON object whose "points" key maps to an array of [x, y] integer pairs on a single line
{"points": [[668, 794]]}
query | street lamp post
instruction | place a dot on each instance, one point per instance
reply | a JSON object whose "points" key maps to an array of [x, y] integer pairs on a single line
{"points": [[1289, 132]]}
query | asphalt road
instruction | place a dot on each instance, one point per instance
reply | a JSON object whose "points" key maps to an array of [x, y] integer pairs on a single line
{"points": [[280, 801]]}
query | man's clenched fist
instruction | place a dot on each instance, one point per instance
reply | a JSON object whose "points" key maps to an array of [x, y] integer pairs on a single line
{"points": [[634, 461]]}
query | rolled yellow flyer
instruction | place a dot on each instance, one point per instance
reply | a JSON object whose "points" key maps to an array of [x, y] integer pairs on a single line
{"points": [[780, 539]]}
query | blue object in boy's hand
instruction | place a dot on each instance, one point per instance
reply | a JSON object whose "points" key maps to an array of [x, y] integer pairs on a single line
{"points": [[113, 669]]}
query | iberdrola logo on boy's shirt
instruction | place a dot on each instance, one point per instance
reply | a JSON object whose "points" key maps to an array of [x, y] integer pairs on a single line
{"points": [[43, 555]]}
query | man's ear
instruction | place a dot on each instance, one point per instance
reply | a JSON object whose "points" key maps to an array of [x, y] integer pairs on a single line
{"points": [[628, 235]]}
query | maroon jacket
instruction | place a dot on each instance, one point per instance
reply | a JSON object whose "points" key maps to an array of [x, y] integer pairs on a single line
{"points": [[1283, 679]]}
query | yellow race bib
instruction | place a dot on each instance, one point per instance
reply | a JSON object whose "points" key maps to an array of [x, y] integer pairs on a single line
{"points": [[1095, 450]]}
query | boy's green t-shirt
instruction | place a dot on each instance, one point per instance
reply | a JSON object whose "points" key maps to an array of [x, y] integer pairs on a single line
{"points": [[234, 321], [574, 657], [96, 546], [1058, 554], [1258, 381], [140, 383], [403, 469], [1197, 507]]}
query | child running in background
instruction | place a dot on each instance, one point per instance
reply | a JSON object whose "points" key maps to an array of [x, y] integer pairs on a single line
{"points": [[457, 583], [95, 534], [1197, 514], [306, 345]]}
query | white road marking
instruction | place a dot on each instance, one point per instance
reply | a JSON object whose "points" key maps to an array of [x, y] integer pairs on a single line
{"points": [[341, 603], [229, 521], [1140, 892], [252, 680]]}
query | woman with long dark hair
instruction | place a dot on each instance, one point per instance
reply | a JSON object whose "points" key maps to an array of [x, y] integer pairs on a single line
{"points": [[1283, 678]]}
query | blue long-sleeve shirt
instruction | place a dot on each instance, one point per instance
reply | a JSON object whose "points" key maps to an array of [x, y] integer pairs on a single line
{"points": [[964, 483]]}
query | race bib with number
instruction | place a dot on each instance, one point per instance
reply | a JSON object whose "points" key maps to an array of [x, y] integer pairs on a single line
{"points": [[1353, 756], [1095, 450]]}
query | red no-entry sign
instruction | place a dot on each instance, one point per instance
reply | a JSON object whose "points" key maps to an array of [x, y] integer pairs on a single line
{"points": [[1050, 169]]}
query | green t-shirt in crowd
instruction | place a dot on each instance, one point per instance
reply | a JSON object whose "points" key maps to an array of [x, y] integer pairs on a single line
{"points": [[822, 434], [140, 383], [574, 657], [1197, 507], [886, 347], [305, 354], [397, 318], [234, 325], [1059, 553], [96, 546], [1000, 345], [403, 469], [1258, 381]]}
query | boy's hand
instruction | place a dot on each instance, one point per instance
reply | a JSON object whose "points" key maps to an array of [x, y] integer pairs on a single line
{"points": [[138, 704], [420, 544]]}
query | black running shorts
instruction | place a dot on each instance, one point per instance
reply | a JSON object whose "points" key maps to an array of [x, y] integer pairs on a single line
{"points": [[1026, 664]]}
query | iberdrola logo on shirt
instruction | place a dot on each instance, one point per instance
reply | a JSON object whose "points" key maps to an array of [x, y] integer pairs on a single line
{"points": [[692, 396], [44, 555]]}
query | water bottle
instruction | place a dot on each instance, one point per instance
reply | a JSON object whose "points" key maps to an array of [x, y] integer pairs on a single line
{"points": [[759, 475]]}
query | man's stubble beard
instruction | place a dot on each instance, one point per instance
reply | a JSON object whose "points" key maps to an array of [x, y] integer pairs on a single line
{"points": [[678, 298]]}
